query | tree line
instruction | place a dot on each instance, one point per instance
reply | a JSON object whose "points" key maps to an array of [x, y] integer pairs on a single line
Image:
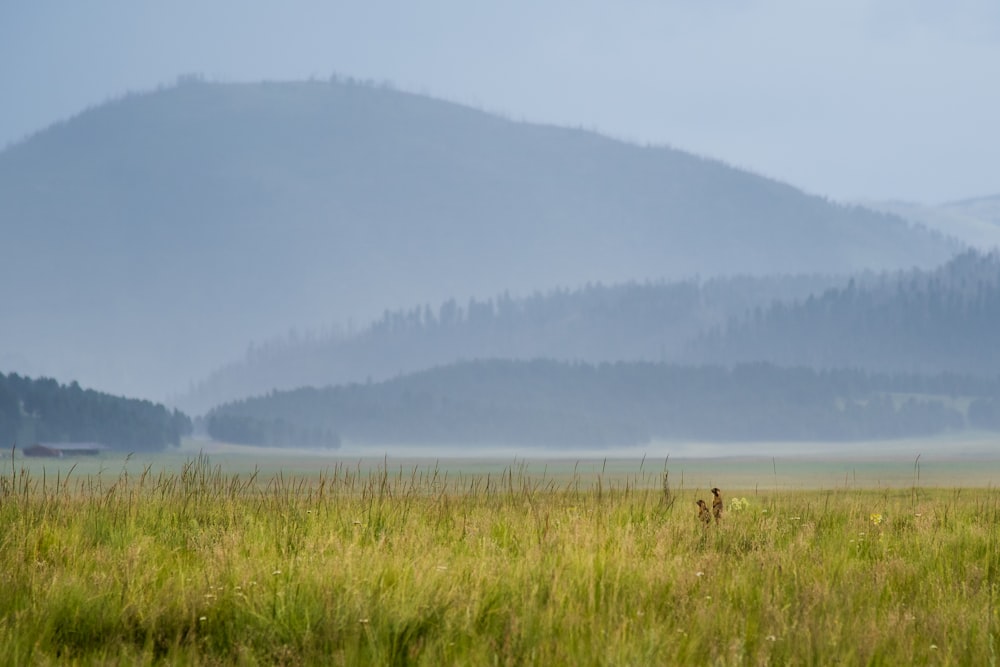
{"points": [[920, 322], [916, 321], [43, 410], [558, 404], [648, 321]]}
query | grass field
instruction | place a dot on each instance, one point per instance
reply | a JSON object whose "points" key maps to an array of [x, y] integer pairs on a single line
{"points": [[322, 560]]}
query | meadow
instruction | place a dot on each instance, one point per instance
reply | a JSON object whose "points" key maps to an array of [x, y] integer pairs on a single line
{"points": [[594, 562]]}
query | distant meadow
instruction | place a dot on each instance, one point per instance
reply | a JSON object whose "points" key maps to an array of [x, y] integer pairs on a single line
{"points": [[216, 555], [962, 460]]}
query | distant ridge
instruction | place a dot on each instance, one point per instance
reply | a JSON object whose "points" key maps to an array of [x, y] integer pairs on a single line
{"points": [[925, 322], [975, 221], [159, 234], [935, 321], [595, 323]]}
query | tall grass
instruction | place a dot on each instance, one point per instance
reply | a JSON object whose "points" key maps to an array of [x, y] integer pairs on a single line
{"points": [[421, 567]]}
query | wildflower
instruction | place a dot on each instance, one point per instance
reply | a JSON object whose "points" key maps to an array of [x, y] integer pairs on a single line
{"points": [[203, 618], [276, 572], [933, 647], [771, 638], [876, 518], [363, 621], [738, 504], [699, 574]]}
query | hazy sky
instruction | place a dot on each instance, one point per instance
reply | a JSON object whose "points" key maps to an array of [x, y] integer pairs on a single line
{"points": [[845, 98]]}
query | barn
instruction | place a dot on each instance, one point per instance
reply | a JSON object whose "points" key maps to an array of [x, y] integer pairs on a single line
{"points": [[61, 449]]}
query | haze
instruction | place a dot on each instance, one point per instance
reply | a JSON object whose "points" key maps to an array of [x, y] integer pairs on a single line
{"points": [[850, 100], [204, 204]]}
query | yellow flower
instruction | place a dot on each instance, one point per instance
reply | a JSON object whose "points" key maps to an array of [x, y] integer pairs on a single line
{"points": [[876, 519], [738, 504]]}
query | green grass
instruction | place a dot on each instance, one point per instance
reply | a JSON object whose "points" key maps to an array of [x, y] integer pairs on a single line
{"points": [[378, 564]]}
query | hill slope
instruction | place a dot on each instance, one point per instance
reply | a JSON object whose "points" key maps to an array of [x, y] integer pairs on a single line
{"points": [[917, 322], [159, 234], [924, 321], [596, 323], [974, 221]]}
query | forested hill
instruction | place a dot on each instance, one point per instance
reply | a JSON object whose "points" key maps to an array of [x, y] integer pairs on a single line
{"points": [[946, 320], [42, 410], [595, 323], [174, 227], [941, 320], [551, 404]]}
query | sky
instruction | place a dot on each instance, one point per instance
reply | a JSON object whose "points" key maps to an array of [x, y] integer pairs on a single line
{"points": [[849, 99]]}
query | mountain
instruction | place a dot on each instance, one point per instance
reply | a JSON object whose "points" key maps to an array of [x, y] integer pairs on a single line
{"points": [[975, 222], [152, 238], [548, 404]]}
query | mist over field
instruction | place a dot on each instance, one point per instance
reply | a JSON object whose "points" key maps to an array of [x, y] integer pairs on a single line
{"points": [[943, 461]]}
